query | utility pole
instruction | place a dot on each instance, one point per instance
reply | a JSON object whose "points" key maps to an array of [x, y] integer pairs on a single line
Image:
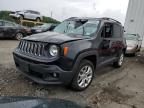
{"points": [[51, 14]]}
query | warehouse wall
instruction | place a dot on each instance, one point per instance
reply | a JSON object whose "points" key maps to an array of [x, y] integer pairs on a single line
{"points": [[134, 22]]}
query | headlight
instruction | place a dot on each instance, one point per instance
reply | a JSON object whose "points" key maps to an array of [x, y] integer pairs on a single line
{"points": [[130, 47], [38, 30], [53, 50]]}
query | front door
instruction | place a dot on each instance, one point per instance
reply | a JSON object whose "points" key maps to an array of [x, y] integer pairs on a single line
{"points": [[105, 50]]}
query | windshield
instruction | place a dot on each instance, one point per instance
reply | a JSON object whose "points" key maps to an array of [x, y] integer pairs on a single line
{"points": [[87, 29], [65, 27], [131, 37]]}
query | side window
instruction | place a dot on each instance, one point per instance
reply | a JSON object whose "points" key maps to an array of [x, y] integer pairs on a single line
{"points": [[37, 13], [107, 31], [32, 12], [117, 31], [9, 24], [1, 23]]}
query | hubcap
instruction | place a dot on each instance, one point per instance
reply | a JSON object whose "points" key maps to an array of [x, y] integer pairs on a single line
{"points": [[85, 76], [19, 36], [121, 59]]}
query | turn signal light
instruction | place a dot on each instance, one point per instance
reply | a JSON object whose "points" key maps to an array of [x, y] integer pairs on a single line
{"points": [[65, 51]]}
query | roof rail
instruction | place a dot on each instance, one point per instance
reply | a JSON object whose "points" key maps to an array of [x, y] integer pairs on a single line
{"points": [[111, 19]]}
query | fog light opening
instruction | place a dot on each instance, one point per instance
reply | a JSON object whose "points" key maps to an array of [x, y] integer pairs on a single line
{"points": [[55, 75]]}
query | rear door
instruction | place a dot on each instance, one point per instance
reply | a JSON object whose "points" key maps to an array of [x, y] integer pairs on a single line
{"points": [[117, 39], [111, 42], [105, 43]]}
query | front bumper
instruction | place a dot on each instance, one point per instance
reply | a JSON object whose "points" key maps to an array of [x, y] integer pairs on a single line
{"points": [[43, 73]]}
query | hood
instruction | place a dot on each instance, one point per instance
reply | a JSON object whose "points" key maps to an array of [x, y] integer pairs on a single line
{"points": [[31, 102], [52, 37]]}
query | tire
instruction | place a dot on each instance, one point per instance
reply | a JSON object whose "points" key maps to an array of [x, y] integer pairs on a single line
{"points": [[38, 20], [120, 60], [19, 36], [79, 80]]}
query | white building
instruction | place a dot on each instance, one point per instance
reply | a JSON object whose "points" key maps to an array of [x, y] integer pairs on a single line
{"points": [[134, 22]]}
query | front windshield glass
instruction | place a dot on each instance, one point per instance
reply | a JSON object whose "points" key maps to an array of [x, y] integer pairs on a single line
{"points": [[131, 37], [65, 27], [45, 26], [87, 29]]}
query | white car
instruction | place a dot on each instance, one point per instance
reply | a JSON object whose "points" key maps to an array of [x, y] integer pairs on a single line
{"points": [[27, 14]]}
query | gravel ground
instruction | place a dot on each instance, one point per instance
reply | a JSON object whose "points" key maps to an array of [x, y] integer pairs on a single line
{"points": [[111, 88]]}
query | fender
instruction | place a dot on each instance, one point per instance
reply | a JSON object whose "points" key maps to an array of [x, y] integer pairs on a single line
{"points": [[82, 55]]}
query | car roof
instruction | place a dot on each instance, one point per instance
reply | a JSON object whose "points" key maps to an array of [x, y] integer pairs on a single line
{"points": [[90, 18], [32, 11]]}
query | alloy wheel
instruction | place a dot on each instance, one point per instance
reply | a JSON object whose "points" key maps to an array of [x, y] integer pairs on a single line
{"points": [[85, 76]]}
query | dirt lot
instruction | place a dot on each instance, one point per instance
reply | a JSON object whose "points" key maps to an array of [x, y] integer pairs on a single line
{"points": [[111, 88]]}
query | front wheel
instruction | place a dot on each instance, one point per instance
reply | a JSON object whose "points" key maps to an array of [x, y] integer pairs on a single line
{"points": [[84, 76], [120, 60], [19, 36]]}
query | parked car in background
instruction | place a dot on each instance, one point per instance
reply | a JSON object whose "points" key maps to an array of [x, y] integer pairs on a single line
{"points": [[43, 28], [134, 43], [27, 14], [12, 30], [71, 54]]}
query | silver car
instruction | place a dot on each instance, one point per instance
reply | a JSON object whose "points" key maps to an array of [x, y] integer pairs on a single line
{"points": [[134, 43], [27, 14]]}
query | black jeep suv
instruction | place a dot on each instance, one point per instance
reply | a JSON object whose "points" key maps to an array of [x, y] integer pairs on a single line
{"points": [[71, 54]]}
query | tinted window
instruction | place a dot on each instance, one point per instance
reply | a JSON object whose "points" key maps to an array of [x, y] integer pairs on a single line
{"points": [[1, 23], [9, 24], [116, 31], [34, 12], [107, 31]]}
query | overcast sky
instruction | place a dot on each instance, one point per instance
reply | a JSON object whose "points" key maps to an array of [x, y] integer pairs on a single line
{"points": [[63, 9]]}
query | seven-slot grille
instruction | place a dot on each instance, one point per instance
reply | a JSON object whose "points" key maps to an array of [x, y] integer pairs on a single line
{"points": [[33, 48]]}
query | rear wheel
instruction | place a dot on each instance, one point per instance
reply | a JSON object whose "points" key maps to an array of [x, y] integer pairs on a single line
{"points": [[38, 20], [19, 36], [84, 76], [120, 60]]}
